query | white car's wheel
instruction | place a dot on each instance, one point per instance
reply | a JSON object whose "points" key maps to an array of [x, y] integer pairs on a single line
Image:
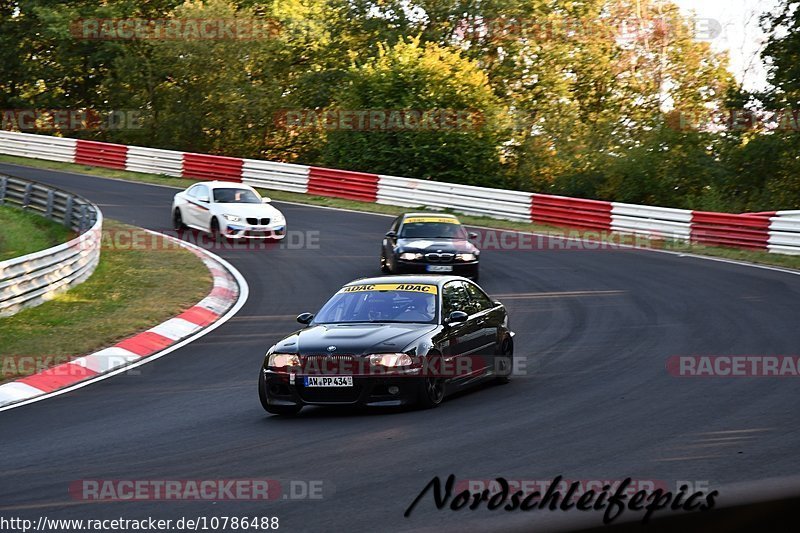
{"points": [[177, 220], [215, 230]]}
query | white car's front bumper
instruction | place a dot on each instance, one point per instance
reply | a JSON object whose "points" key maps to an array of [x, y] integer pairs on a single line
{"points": [[238, 230]]}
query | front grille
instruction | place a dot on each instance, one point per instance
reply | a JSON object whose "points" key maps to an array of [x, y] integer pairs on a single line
{"points": [[320, 358], [439, 257], [258, 221], [329, 365]]}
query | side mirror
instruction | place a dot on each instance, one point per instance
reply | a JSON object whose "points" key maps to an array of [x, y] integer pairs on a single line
{"points": [[473, 235], [305, 318], [204, 198], [455, 317], [391, 234], [265, 199]]}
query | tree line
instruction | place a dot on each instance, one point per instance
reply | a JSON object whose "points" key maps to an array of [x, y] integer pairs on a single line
{"points": [[607, 99]]}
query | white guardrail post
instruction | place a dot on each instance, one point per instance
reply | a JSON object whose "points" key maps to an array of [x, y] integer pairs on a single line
{"points": [[38, 146], [32, 279], [654, 222], [275, 176], [467, 199]]}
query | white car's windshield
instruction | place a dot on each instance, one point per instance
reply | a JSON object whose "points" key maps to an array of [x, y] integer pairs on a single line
{"points": [[235, 196], [375, 305]]}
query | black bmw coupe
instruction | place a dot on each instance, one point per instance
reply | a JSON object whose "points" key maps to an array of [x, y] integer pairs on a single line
{"points": [[390, 341], [419, 243]]}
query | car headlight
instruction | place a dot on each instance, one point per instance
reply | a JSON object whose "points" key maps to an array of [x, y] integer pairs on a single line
{"points": [[466, 257], [410, 256], [391, 360], [232, 218], [281, 360]]}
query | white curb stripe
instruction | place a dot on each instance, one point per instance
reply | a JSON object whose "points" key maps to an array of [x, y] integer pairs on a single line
{"points": [[175, 328], [15, 391], [106, 360]]}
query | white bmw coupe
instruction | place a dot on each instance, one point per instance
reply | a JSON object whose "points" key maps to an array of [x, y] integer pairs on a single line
{"points": [[229, 210]]}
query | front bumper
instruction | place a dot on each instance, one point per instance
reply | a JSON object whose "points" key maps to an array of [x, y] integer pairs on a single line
{"points": [[468, 270], [235, 230], [370, 391]]}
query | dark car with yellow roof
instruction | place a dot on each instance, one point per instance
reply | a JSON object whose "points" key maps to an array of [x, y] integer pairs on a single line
{"points": [[429, 243], [390, 341]]}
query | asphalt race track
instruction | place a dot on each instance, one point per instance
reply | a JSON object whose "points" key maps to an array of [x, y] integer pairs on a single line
{"points": [[595, 327]]}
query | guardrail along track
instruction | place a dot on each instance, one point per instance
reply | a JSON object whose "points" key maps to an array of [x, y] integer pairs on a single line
{"points": [[773, 231], [32, 279]]}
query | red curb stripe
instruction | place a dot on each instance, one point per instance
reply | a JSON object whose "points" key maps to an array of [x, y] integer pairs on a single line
{"points": [[145, 343], [58, 377], [199, 315]]}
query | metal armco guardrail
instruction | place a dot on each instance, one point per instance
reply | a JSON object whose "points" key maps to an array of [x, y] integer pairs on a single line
{"points": [[99, 154], [32, 279], [467, 199], [212, 167], [343, 184], [655, 222], [777, 232], [571, 212], [275, 176], [725, 229]]}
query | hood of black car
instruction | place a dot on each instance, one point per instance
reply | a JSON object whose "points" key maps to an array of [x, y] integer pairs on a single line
{"points": [[353, 339], [435, 245]]}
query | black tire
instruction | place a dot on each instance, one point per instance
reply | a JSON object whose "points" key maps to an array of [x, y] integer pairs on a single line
{"points": [[286, 410], [506, 351], [432, 388], [384, 266], [389, 268], [177, 220], [476, 277], [215, 231]]}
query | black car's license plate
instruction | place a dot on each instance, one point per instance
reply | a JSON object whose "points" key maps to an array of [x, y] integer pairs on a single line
{"points": [[328, 381]]}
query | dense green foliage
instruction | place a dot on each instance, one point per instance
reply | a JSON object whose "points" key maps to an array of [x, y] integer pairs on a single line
{"points": [[592, 98]]}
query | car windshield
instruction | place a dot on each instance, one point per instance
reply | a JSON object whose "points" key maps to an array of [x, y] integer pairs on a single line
{"points": [[380, 303], [432, 230], [236, 196]]}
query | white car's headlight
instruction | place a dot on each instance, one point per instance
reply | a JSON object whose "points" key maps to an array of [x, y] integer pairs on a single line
{"points": [[410, 256], [281, 360], [232, 218], [391, 360], [466, 257]]}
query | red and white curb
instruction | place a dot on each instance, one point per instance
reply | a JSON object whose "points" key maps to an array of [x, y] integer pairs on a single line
{"points": [[228, 295]]}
